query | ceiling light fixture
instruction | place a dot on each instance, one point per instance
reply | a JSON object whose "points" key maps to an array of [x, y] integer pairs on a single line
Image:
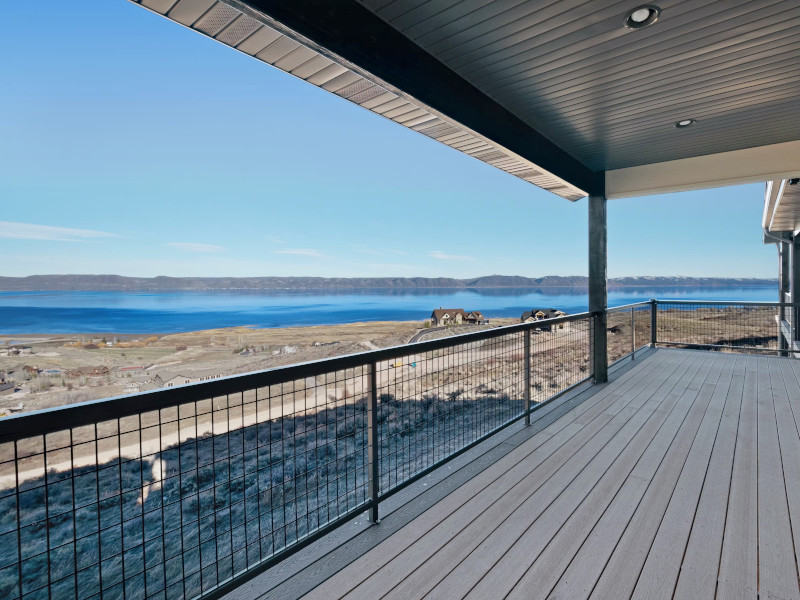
{"points": [[685, 123], [642, 16]]}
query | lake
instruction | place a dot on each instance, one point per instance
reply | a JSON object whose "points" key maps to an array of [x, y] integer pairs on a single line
{"points": [[172, 312]]}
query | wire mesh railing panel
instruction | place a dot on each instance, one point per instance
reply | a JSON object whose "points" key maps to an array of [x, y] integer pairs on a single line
{"points": [[174, 493], [720, 326], [559, 358], [432, 404], [643, 332], [628, 329], [169, 503], [619, 334], [789, 314]]}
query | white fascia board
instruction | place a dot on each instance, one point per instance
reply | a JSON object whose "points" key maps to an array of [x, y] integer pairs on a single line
{"points": [[751, 165], [777, 195], [769, 202]]}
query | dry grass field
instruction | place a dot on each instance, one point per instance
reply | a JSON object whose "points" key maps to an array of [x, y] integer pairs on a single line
{"points": [[133, 362]]}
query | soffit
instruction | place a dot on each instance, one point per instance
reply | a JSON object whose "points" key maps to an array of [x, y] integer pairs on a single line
{"points": [[237, 25], [609, 95]]}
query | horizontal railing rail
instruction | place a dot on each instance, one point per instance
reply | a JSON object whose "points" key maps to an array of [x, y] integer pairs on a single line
{"points": [[627, 307], [53, 419], [722, 303], [186, 492]]}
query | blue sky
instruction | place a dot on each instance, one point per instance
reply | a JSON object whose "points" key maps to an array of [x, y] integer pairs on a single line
{"points": [[131, 145]]}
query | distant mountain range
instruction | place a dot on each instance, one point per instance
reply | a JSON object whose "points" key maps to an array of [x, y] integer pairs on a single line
{"points": [[131, 284]]}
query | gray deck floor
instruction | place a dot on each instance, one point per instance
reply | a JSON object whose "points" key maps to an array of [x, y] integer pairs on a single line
{"points": [[679, 479]]}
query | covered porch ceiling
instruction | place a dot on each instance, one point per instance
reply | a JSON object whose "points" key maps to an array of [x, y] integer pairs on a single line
{"points": [[569, 95]]}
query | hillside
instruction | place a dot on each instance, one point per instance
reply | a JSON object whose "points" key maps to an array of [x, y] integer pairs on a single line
{"points": [[121, 283]]}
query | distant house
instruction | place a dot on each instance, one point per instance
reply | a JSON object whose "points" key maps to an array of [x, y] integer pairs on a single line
{"points": [[476, 318], [208, 377], [178, 380], [6, 388], [442, 317], [539, 314]]}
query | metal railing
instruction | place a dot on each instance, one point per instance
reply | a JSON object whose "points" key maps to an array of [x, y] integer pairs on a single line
{"points": [[628, 330], [723, 326], [727, 326], [188, 491]]}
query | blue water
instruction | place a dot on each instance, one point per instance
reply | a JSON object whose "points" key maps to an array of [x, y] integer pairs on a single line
{"points": [[171, 312]]}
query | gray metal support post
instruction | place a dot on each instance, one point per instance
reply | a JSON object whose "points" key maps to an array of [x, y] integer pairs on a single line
{"points": [[783, 290], [598, 292], [527, 394], [794, 284], [633, 336], [653, 322], [372, 442]]}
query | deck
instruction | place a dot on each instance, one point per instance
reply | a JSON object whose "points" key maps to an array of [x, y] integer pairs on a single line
{"points": [[678, 479]]}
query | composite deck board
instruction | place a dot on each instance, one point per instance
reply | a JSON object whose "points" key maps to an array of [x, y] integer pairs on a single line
{"points": [[533, 495], [698, 577], [626, 557], [632, 515], [677, 479], [549, 445], [491, 568], [777, 568], [621, 573], [662, 567], [620, 490], [738, 568], [574, 428], [789, 442]]}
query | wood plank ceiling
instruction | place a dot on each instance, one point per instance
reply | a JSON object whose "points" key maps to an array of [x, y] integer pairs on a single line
{"points": [[610, 95]]}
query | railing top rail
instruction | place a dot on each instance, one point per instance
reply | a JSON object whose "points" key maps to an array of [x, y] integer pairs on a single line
{"points": [[85, 413], [630, 306], [725, 303]]}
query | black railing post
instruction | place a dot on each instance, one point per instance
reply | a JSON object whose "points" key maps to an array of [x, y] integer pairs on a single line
{"points": [[653, 322], [633, 336], [373, 443], [527, 376]]}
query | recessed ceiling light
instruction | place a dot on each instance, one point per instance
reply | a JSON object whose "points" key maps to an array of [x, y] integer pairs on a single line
{"points": [[685, 123], [642, 16]]}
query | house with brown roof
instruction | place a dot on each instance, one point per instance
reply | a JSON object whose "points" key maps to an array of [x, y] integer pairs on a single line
{"points": [[539, 314], [475, 317], [441, 317]]}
